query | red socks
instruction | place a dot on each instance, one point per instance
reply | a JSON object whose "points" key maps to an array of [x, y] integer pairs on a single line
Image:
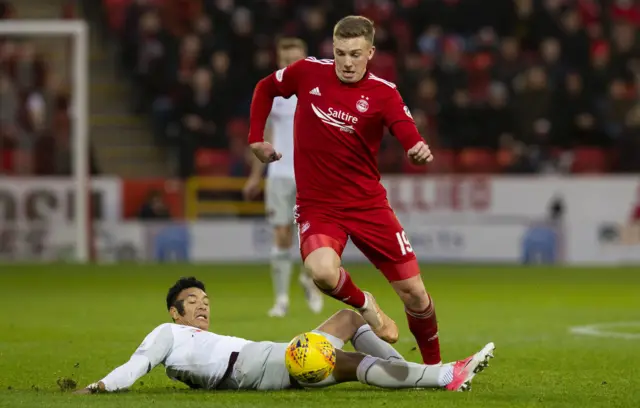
{"points": [[423, 324], [346, 291], [424, 327]]}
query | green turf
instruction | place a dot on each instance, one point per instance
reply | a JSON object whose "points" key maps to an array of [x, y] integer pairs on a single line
{"points": [[626, 329], [80, 322]]}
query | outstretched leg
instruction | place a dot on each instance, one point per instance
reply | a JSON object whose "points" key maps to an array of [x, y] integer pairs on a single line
{"points": [[351, 367], [323, 263], [389, 374], [348, 325]]}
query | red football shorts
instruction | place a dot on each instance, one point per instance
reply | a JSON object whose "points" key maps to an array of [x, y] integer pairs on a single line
{"points": [[376, 232]]}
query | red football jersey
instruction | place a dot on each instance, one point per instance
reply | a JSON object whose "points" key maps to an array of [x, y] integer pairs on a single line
{"points": [[338, 128]]}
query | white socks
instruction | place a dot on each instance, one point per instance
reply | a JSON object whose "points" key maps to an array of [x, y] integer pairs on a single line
{"points": [[281, 274], [366, 342], [446, 375], [402, 374]]}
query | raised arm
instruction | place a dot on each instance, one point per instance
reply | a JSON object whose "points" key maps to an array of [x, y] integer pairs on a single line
{"points": [[283, 82], [153, 351], [398, 119]]}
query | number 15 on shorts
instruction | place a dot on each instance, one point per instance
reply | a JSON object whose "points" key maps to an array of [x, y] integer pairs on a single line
{"points": [[403, 241]]}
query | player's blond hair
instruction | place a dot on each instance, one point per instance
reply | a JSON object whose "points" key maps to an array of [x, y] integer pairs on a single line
{"points": [[354, 27], [287, 43]]}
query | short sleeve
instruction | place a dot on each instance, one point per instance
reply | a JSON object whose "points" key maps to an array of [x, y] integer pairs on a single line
{"points": [[395, 110]]}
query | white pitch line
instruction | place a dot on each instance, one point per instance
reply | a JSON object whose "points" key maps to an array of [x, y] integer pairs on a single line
{"points": [[601, 330]]}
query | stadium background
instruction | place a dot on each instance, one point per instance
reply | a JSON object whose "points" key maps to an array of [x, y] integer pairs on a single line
{"points": [[520, 89], [531, 109], [515, 87]]}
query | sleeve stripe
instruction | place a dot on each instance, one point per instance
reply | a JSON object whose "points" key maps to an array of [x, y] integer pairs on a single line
{"points": [[317, 61], [389, 84]]}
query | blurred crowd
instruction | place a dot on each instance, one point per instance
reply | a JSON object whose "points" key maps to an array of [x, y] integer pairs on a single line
{"points": [[519, 86], [34, 99], [512, 86]]}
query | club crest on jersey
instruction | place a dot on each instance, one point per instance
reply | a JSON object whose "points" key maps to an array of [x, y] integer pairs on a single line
{"points": [[362, 105]]}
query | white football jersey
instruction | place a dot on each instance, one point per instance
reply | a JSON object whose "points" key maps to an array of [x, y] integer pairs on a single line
{"points": [[195, 357], [281, 120]]}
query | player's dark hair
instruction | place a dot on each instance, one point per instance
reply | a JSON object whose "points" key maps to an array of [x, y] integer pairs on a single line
{"points": [[354, 27], [179, 286]]}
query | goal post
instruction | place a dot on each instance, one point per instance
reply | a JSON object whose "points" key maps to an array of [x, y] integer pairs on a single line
{"points": [[78, 32]]}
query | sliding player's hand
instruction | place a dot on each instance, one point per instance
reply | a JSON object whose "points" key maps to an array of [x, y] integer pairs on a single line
{"points": [[420, 154], [265, 152], [91, 389]]}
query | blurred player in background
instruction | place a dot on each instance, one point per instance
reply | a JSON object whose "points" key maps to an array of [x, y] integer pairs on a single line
{"points": [[280, 190], [204, 360], [341, 113]]}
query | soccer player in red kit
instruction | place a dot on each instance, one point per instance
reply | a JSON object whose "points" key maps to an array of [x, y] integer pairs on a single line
{"points": [[338, 126]]}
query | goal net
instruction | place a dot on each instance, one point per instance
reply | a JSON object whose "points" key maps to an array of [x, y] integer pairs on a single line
{"points": [[44, 155]]}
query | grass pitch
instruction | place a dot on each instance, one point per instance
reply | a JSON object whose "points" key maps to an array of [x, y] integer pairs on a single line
{"points": [[80, 322]]}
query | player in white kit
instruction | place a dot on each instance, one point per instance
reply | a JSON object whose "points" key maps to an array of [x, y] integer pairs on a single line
{"points": [[280, 190], [204, 360]]}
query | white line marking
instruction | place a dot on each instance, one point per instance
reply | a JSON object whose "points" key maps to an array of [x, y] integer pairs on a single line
{"points": [[601, 330]]}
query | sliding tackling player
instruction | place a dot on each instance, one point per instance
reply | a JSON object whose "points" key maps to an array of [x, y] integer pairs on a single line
{"points": [[205, 360]]}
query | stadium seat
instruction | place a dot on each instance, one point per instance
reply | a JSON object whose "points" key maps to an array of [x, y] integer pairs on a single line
{"points": [[22, 161], [237, 128], [504, 159], [479, 75], [68, 10], [136, 191], [6, 161], [444, 162], [212, 162], [613, 159], [476, 160], [178, 15], [482, 61], [589, 160], [116, 11]]}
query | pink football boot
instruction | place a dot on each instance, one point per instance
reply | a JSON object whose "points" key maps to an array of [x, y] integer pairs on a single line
{"points": [[465, 370]]}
